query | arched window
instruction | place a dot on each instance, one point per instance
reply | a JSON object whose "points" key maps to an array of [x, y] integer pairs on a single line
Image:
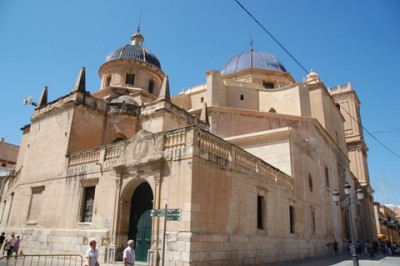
{"points": [[268, 85], [119, 138]]}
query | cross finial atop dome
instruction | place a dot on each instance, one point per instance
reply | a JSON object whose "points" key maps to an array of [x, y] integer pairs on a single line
{"points": [[137, 38], [140, 20]]}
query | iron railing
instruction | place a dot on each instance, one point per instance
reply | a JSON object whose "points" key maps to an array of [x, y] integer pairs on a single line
{"points": [[42, 260]]}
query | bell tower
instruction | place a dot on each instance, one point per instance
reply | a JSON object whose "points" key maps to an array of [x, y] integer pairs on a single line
{"points": [[349, 104]]}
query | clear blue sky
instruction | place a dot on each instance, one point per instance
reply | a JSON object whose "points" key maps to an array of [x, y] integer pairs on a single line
{"points": [[46, 42]]}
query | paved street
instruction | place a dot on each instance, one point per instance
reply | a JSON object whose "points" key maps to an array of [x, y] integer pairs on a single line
{"points": [[338, 260], [387, 261], [345, 260]]}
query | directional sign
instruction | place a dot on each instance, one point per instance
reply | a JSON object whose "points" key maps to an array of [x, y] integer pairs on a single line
{"points": [[174, 211], [172, 214], [157, 213]]}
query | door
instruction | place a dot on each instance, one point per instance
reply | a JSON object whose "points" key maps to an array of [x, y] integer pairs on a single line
{"points": [[140, 220], [143, 236]]}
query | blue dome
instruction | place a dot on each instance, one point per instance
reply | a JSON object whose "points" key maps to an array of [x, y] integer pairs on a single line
{"points": [[253, 59], [134, 51]]}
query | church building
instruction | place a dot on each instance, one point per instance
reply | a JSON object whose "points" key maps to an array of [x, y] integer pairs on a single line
{"points": [[242, 167]]}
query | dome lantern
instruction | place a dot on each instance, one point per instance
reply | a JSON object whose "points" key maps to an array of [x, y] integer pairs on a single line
{"points": [[137, 38]]}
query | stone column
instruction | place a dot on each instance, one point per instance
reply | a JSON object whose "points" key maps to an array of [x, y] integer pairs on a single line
{"points": [[153, 256], [120, 171]]}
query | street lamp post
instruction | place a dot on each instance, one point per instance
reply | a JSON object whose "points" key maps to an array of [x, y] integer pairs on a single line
{"points": [[347, 202]]}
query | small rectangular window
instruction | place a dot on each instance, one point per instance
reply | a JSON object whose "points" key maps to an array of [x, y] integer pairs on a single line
{"points": [[87, 204], [108, 81], [130, 79], [241, 97], [260, 213], [312, 218], [327, 176], [291, 219], [151, 86]]}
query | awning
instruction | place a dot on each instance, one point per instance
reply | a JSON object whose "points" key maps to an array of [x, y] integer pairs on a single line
{"points": [[381, 236]]}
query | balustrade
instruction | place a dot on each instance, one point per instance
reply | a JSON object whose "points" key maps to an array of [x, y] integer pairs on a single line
{"points": [[95, 155], [221, 152], [84, 157]]}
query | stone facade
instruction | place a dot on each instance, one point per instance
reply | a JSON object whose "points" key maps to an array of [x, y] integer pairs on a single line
{"points": [[250, 158]]}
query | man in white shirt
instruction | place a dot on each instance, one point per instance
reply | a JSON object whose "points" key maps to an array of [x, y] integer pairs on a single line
{"points": [[129, 254]]}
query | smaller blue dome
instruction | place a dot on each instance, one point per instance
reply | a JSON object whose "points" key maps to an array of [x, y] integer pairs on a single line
{"points": [[253, 59]]}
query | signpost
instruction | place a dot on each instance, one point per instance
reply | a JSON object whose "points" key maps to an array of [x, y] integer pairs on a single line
{"points": [[170, 215]]}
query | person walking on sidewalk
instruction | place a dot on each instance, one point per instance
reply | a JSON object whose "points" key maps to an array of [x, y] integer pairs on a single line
{"points": [[129, 254], [335, 246], [16, 246], [9, 246], [92, 254], [2, 238]]}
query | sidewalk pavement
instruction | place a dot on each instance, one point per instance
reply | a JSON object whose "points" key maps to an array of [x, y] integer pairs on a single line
{"points": [[346, 260], [332, 260]]}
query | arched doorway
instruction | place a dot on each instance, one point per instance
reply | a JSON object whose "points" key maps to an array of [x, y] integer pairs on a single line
{"points": [[140, 220]]}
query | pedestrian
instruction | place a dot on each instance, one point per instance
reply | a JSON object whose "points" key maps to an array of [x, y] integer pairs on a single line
{"points": [[374, 245], [371, 249], [16, 245], [389, 248], [92, 255], [335, 246], [129, 254], [2, 238], [9, 246]]}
